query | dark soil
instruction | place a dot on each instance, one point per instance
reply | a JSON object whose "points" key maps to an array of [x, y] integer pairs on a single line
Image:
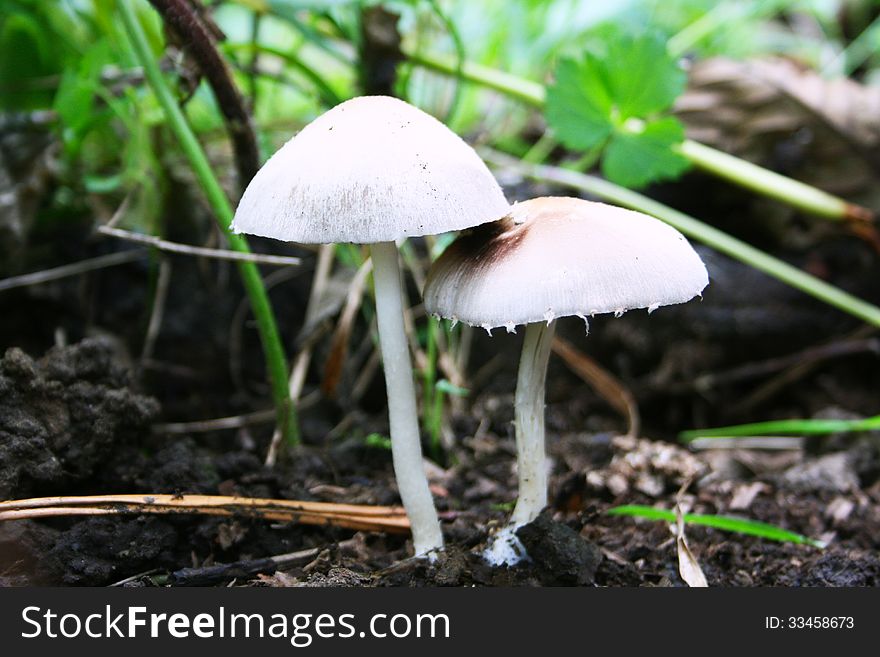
{"points": [[88, 419], [72, 424], [62, 418]]}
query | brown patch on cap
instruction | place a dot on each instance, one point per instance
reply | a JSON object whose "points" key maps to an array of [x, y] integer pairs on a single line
{"points": [[481, 247]]}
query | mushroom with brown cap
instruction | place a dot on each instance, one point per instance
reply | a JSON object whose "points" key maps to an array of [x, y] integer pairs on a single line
{"points": [[547, 258], [374, 170]]}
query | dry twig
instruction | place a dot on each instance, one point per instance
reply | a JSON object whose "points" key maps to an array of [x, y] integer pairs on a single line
{"points": [[266, 416], [73, 269], [158, 310], [350, 516], [199, 251]]}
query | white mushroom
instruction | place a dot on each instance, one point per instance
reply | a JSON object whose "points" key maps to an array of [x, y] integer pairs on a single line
{"points": [[555, 257], [371, 171]]}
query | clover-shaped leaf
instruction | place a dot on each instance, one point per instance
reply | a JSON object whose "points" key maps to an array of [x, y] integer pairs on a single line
{"points": [[613, 99]]}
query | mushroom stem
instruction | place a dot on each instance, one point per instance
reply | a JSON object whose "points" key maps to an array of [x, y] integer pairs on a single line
{"points": [[531, 454], [406, 447]]}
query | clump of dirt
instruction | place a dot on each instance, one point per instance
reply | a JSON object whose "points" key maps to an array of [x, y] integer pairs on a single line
{"points": [[842, 568], [179, 467], [97, 550], [22, 550], [560, 555], [61, 417]]}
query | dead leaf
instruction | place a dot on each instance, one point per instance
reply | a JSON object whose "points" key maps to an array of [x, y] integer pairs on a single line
{"points": [[278, 580], [339, 345], [745, 494], [229, 534], [831, 472], [780, 114], [749, 108], [688, 566], [839, 510]]}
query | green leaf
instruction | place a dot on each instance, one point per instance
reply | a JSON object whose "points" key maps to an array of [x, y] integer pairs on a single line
{"points": [[642, 78], [378, 441], [76, 94], [635, 159], [279, 6], [725, 523], [26, 56], [451, 389], [103, 184], [578, 104], [611, 99]]}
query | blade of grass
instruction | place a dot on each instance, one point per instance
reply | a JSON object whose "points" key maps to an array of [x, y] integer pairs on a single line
{"points": [[329, 96], [704, 26], [783, 427], [273, 351], [725, 523], [857, 52], [314, 36], [526, 91], [748, 175], [460, 56]]}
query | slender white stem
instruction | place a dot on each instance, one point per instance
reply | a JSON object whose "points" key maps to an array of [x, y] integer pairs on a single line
{"points": [[531, 454], [406, 448]]}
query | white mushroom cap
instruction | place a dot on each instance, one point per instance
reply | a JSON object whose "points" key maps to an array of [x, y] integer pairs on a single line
{"points": [[372, 169], [555, 256]]}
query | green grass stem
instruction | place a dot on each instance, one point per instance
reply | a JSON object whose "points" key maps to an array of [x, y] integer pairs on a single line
{"points": [[276, 361]]}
